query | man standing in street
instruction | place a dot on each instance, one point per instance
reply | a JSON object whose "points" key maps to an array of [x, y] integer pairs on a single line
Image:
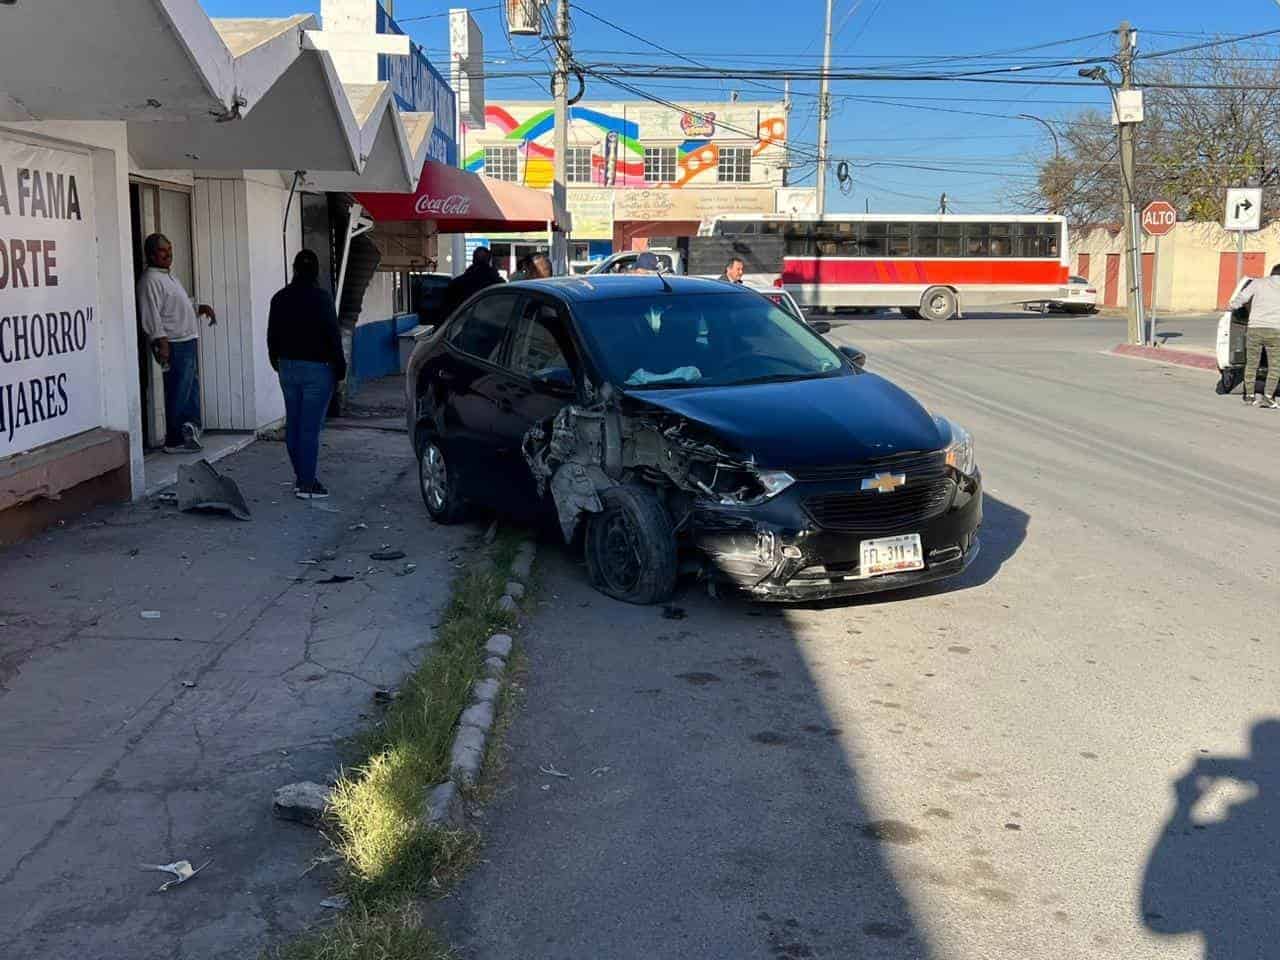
{"points": [[305, 349], [169, 319], [475, 278], [1264, 332], [733, 270]]}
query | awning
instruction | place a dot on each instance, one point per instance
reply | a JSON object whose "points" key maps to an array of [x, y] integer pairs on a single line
{"points": [[461, 202]]}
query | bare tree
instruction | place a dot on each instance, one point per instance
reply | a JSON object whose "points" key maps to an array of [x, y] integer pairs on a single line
{"points": [[1192, 145]]}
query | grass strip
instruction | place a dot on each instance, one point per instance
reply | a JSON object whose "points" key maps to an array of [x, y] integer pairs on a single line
{"points": [[376, 808]]}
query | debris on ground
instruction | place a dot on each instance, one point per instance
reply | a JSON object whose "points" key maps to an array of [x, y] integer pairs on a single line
{"points": [[387, 555], [339, 902], [189, 684], [491, 534], [599, 770], [383, 696], [200, 487], [336, 578], [150, 614], [672, 612], [302, 802], [551, 771], [407, 569], [358, 526], [181, 869]]}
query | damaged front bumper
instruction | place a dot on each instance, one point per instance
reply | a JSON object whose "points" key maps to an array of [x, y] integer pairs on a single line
{"points": [[776, 552]]}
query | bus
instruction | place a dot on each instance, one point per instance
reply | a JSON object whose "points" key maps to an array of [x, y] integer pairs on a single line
{"points": [[929, 266]]}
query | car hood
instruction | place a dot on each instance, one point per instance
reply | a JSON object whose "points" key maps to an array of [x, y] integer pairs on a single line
{"points": [[804, 423]]}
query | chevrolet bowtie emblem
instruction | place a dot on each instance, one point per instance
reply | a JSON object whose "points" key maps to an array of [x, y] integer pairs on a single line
{"points": [[884, 482]]}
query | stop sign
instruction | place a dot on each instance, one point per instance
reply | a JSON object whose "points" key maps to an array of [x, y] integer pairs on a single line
{"points": [[1159, 218]]}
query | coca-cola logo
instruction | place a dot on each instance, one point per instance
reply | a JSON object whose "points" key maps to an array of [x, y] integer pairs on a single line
{"points": [[454, 205]]}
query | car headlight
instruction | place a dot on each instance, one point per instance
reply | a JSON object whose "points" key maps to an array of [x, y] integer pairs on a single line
{"points": [[774, 482], [960, 453], [746, 486]]}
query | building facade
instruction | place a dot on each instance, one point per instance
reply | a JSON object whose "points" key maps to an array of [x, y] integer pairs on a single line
{"points": [[638, 170]]}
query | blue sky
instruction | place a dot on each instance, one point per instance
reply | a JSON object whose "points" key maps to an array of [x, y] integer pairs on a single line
{"points": [[897, 127]]}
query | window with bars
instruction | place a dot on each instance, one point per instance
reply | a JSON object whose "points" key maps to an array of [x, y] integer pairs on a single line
{"points": [[502, 163], [734, 165], [577, 165], [659, 164]]}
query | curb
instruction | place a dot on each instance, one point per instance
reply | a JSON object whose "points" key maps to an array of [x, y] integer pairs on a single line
{"points": [[1181, 358], [443, 806]]}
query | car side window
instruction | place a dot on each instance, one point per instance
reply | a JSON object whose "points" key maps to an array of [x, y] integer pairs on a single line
{"points": [[621, 265], [541, 341], [482, 327]]}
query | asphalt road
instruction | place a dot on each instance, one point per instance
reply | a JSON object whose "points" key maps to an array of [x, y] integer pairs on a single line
{"points": [[980, 769]]}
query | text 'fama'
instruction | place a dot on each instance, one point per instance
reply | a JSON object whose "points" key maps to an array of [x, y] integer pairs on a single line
{"points": [[28, 192]]}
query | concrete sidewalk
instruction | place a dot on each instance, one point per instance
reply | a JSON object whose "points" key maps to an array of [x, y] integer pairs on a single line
{"points": [[133, 739]]}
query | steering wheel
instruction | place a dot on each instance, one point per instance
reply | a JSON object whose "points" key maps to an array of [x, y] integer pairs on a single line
{"points": [[742, 357]]}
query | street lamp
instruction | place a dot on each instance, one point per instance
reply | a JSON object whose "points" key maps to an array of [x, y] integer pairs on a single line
{"points": [[1057, 153]]}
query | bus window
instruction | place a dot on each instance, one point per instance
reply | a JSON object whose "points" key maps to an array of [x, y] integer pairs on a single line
{"points": [[1001, 244], [731, 228], [951, 240], [770, 228], [925, 241], [798, 239], [899, 240], [977, 240]]}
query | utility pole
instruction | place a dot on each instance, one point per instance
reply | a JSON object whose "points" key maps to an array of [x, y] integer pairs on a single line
{"points": [[786, 144], [559, 193], [1128, 201], [824, 112]]}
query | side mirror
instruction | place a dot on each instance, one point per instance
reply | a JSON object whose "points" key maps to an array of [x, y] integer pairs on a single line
{"points": [[857, 357], [557, 381], [820, 327]]}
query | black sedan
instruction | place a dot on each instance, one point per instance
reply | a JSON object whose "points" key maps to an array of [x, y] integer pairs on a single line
{"points": [[667, 418]]}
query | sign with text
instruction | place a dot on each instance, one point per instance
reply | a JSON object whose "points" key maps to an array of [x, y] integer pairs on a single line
{"points": [[49, 317], [690, 204], [592, 213], [1244, 209], [1159, 218]]}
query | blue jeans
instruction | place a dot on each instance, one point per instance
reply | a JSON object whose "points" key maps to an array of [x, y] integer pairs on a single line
{"points": [[181, 390], [307, 387]]}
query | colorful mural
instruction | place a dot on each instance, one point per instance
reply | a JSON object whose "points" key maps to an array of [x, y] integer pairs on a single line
{"points": [[630, 124]]}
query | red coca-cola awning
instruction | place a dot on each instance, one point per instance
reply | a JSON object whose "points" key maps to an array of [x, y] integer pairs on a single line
{"points": [[461, 202]]}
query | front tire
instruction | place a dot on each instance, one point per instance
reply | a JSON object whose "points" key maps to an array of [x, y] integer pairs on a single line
{"points": [[438, 484], [630, 546], [938, 303]]}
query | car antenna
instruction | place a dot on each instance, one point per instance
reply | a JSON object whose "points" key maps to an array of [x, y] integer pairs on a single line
{"points": [[665, 286]]}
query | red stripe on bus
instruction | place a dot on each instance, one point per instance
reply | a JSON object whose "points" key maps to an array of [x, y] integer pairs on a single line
{"points": [[981, 271]]}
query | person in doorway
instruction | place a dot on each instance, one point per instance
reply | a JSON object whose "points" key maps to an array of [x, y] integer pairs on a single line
{"points": [[170, 319], [475, 278], [304, 346], [733, 270], [1264, 333]]}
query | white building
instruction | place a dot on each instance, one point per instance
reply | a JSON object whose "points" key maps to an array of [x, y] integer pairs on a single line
{"points": [[123, 118]]}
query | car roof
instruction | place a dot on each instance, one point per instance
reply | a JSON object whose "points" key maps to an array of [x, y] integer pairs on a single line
{"points": [[587, 288]]}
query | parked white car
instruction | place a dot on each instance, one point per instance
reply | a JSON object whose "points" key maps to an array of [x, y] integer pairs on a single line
{"points": [[1081, 297]]}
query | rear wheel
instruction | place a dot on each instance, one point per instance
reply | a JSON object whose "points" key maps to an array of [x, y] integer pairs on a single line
{"points": [[630, 546], [438, 484], [938, 303]]}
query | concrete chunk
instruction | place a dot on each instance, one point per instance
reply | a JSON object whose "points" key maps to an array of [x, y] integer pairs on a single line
{"points": [[507, 604], [515, 589], [467, 755], [303, 802], [443, 806], [522, 567], [494, 667], [499, 645], [478, 715], [485, 691]]}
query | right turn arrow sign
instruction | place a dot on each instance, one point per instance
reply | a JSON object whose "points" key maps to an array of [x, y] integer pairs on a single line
{"points": [[1244, 209]]}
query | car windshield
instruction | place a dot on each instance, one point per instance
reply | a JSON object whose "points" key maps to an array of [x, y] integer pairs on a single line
{"points": [[668, 340]]}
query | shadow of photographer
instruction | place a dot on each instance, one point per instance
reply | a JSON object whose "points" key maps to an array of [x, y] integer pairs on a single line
{"points": [[1215, 869]]}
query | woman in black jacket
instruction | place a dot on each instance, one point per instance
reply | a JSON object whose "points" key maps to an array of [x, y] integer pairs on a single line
{"points": [[305, 348]]}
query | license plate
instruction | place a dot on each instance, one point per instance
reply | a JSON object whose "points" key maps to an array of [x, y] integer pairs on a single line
{"points": [[891, 555]]}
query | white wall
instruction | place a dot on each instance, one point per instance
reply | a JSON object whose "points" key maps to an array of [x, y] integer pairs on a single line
{"points": [[270, 263], [118, 350], [379, 299]]}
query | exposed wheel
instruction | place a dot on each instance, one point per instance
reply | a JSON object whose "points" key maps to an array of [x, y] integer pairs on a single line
{"points": [[938, 303], [911, 313], [438, 484], [630, 546]]}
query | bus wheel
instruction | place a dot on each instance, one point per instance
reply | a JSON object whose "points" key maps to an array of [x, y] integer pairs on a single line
{"points": [[938, 303]]}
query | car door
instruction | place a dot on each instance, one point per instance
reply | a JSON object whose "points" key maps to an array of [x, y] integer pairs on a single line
{"points": [[469, 380], [541, 342]]}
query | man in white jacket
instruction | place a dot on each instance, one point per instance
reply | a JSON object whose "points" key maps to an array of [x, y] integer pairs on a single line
{"points": [[169, 319], [1264, 332]]}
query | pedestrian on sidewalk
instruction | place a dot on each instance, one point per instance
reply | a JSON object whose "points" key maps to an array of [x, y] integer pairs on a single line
{"points": [[475, 278], [1263, 333], [305, 349], [169, 318]]}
